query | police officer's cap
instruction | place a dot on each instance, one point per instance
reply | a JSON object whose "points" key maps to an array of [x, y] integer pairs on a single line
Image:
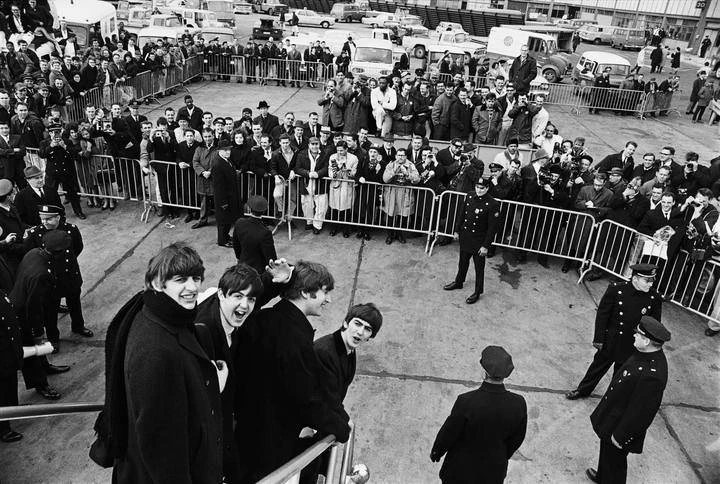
{"points": [[325, 129], [313, 140], [6, 187], [256, 203], [55, 127], [653, 329], [644, 270], [497, 362], [56, 240], [219, 121], [483, 182], [32, 171], [495, 166], [49, 210], [134, 103]]}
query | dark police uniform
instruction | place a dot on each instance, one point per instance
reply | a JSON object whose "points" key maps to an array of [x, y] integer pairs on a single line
{"points": [[619, 311], [11, 357], [629, 405], [67, 274], [477, 226]]}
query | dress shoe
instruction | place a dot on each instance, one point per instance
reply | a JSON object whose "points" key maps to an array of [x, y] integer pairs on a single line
{"points": [[63, 309], [85, 332], [308, 227], [592, 474], [400, 238], [190, 217], [333, 232], [359, 235], [711, 332], [389, 239], [346, 233], [452, 286], [48, 392], [56, 347], [543, 261], [56, 369], [198, 224], [566, 266], [367, 236], [574, 395], [316, 231], [473, 298], [80, 215], [11, 436]]}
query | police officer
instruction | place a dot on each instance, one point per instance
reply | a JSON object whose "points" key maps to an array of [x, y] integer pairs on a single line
{"points": [[628, 407], [475, 228], [66, 269], [619, 311]]}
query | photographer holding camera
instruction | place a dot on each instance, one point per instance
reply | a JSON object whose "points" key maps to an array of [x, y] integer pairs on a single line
{"points": [[60, 167], [333, 106]]}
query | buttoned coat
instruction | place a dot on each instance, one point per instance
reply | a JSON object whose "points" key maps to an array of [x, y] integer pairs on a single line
{"points": [[202, 161], [618, 313], [225, 190], [253, 243], [631, 401], [478, 222]]}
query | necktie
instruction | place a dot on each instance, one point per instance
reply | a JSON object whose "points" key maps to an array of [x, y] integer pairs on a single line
{"points": [[42, 193]]}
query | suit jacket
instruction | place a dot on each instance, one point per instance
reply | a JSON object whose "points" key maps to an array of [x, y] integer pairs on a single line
{"points": [[27, 201], [337, 369], [31, 131], [12, 162], [654, 220], [632, 400], [195, 119], [485, 428], [267, 123], [309, 132], [24, 20], [253, 243], [33, 290], [302, 168], [133, 127], [10, 223]]}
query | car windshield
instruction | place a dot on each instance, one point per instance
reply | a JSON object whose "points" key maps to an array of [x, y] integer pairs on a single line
{"points": [[461, 37], [551, 47], [412, 21], [617, 70], [373, 54]]}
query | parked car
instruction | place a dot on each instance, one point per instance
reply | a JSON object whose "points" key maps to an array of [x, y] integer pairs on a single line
{"points": [[242, 8], [413, 26], [265, 28], [593, 62], [310, 17], [270, 7], [624, 38], [596, 34], [348, 12], [381, 20], [443, 26]]}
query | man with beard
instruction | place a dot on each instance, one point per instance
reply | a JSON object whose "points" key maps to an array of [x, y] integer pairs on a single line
{"points": [[223, 324], [287, 394], [619, 312]]}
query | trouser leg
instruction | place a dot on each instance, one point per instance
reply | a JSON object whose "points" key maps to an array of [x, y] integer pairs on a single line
{"points": [[479, 262], [598, 367], [463, 264], [612, 464], [321, 208], [203, 208], [72, 298], [223, 233], [8, 397], [51, 327]]}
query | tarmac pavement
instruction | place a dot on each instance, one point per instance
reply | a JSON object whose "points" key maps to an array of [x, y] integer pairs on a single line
{"points": [[428, 351]]}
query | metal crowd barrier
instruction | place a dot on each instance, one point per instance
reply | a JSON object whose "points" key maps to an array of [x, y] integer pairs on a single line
{"points": [[33, 159], [610, 99], [522, 226], [692, 285], [257, 69], [347, 203], [273, 189], [76, 111]]}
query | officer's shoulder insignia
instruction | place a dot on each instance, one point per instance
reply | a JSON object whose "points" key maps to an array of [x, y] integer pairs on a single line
{"points": [[496, 214], [644, 310], [477, 210]]}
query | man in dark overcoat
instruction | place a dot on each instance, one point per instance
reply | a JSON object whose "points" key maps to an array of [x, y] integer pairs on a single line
{"points": [[630, 404], [618, 312], [36, 193], [225, 189], [60, 168], [475, 228], [286, 373], [485, 427], [252, 240]]}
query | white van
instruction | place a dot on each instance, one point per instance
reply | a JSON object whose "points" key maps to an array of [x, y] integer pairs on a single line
{"points": [[81, 15], [373, 58]]}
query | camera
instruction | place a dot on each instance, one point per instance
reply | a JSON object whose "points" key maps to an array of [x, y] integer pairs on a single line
{"points": [[107, 125], [544, 176]]}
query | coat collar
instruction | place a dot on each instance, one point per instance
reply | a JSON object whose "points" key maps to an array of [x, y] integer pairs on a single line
{"points": [[184, 336], [492, 387], [340, 344], [293, 313]]}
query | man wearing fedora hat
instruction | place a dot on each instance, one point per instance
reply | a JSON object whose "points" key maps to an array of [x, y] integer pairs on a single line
{"points": [[266, 120], [252, 241], [485, 428], [629, 406], [36, 193], [227, 198]]}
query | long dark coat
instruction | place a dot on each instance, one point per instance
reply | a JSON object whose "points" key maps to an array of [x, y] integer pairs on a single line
{"points": [[632, 400], [174, 410], [27, 201], [10, 223], [225, 188], [485, 428], [202, 161], [253, 243]]}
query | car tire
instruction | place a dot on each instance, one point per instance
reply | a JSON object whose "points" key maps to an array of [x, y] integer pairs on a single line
{"points": [[271, 12], [373, 26], [597, 42], [419, 52], [325, 24]]}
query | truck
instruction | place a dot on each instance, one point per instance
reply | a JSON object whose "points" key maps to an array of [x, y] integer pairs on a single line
{"points": [[505, 42], [270, 7], [81, 15], [418, 44]]}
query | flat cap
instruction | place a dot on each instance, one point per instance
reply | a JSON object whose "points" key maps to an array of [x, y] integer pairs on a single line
{"points": [[56, 240], [256, 203], [540, 154], [644, 270], [49, 210], [497, 362], [653, 329], [218, 121], [224, 144], [32, 171], [6, 187]]}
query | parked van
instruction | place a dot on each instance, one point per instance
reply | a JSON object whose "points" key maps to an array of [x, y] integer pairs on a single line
{"points": [[593, 63], [624, 38], [373, 58], [596, 34], [347, 12], [505, 42], [81, 15]]}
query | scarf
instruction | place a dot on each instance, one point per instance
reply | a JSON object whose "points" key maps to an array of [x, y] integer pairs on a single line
{"points": [[167, 310]]}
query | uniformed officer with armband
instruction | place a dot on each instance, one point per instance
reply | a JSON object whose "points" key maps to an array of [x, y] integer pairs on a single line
{"points": [[630, 403], [476, 229], [619, 311], [67, 271]]}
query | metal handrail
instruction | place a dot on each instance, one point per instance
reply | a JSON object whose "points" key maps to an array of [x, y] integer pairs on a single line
{"points": [[297, 464], [47, 410], [348, 454]]}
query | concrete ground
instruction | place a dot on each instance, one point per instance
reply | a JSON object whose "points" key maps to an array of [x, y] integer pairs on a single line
{"points": [[428, 350]]}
